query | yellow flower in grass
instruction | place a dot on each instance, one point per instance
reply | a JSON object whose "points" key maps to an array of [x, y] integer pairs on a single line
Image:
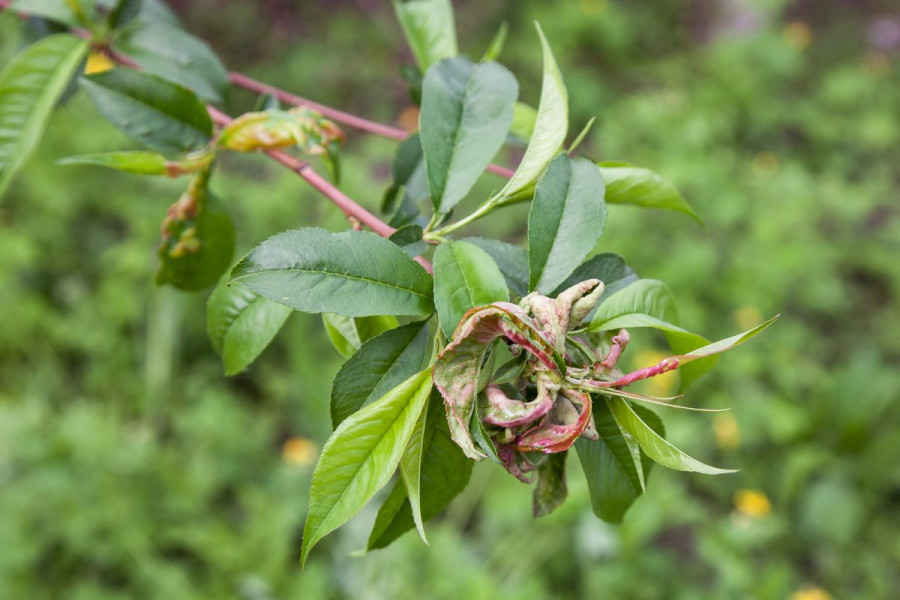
{"points": [[752, 503], [728, 434], [810, 593], [97, 62], [299, 451]]}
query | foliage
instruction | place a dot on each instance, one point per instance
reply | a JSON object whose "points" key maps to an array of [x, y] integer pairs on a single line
{"points": [[686, 264]]}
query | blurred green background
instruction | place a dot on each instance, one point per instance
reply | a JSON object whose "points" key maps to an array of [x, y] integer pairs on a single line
{"points": [[131, 468]]}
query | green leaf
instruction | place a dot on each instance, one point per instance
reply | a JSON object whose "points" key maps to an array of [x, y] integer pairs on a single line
{"points": [[409, 186], [524, 119], [429, 29], [580, 137], [444, 474], [155, 112], [608, 267], [565, 221], [615, 475], [726, 344], [381, 363], [198, 239], [466, 112], [353, 273], [497, 42], [360, 456], [411, 471], [137, 162], [347, 334], [654, 445], [550, 488], [512, 261], [630, 184], [550, 127], [54, 10], [30, 86], [479, 433], [241, 324], [465, 276], [123, 12], [409, 237], [650, 303], [177, 56]]}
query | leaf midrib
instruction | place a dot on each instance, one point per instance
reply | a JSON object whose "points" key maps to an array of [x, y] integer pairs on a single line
{"points": [[331, 274]]}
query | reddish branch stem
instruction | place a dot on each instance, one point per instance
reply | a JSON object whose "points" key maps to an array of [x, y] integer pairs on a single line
{"points": [[394, 133]]}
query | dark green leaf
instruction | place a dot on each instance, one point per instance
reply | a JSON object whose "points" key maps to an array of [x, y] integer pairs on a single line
{"points": [[155, 112], [381, 363], [654, 445], [353, 273], [429, 29], [565, 221], [512, 261], [465, 276], [466, 112], [409, 186], [608, 267], [444, 474], [178, 56], [347, 334], [30, 86], [612, 470], [549, 131], [630, 184], [483, 439], [360, 456], [409, 237], [123, 12], [241, 324]]}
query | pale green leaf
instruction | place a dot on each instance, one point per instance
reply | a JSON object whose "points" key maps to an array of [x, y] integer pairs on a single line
{"points": [[347, 334], [444, 474], [550, 127], [429, 28], [654, 445], [360, 456], [497, 42], [137, 162], [30, 86], [630, 184]]}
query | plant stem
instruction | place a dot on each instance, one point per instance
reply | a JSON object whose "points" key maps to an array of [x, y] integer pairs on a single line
{"points": [[481, 211]]}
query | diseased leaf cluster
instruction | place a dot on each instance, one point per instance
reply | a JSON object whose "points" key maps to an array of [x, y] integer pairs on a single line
{"points": [[493, 351]]}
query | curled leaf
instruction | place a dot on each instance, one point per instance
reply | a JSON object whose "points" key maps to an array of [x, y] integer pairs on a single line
{"points": [[197, 239], [271, 129]]}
